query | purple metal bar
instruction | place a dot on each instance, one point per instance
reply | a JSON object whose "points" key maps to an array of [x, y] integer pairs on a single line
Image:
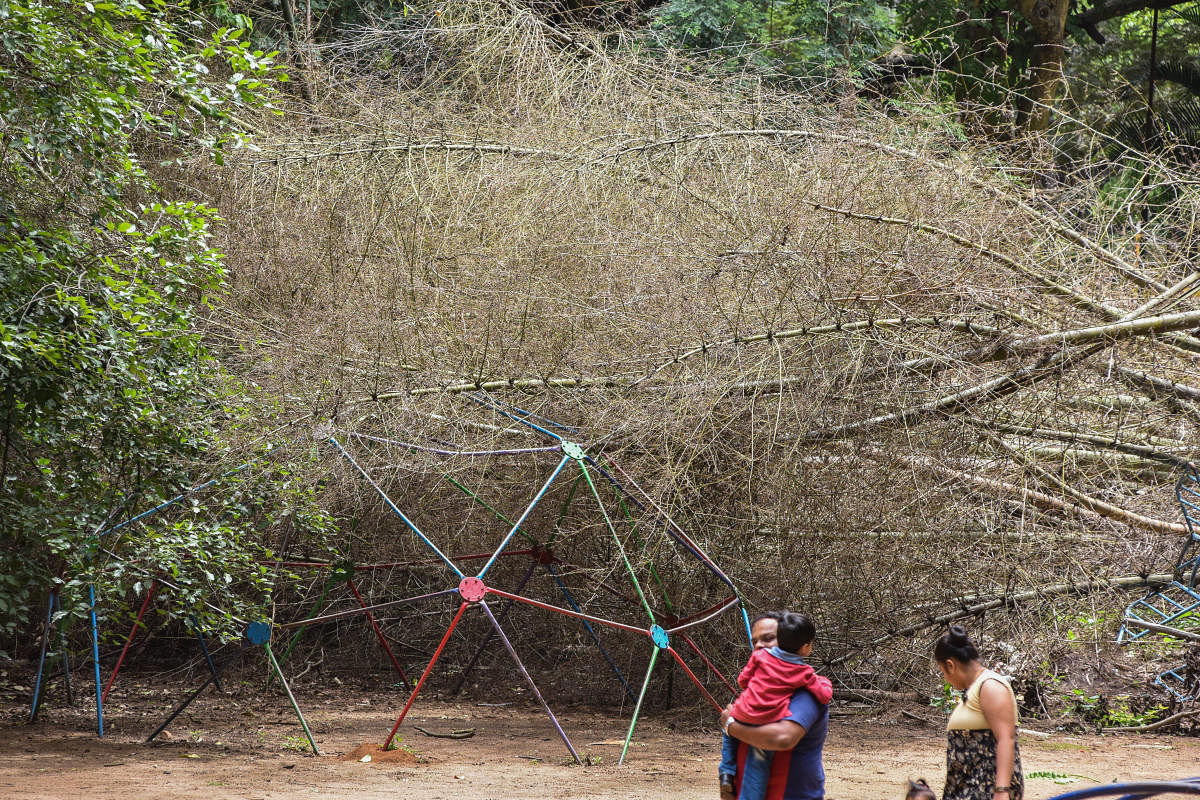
{"points": [[440, 452], [533, 686], [713, 613], [488, 638], [356, 611]]}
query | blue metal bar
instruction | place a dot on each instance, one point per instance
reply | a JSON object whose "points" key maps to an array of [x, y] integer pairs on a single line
{"points": [[517, 526], [532, 415], [66, 659], [488, 402], [746, 619], [207, 656], [180, 496], [196, 693], [1134, 791], [575, 607], [412, 526], [96, 661], [37, 684]]}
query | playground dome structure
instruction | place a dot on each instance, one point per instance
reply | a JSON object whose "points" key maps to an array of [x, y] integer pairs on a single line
{"points": [[585, 545]]}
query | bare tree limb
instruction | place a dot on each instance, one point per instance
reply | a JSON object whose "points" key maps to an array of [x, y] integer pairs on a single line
{"points": [[1007, 600]]}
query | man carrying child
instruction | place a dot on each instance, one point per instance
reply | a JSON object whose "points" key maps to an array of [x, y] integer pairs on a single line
{"points": [[780, 719]]}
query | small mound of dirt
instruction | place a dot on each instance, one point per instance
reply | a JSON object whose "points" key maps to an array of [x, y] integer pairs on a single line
{"points": [[380, 756]]}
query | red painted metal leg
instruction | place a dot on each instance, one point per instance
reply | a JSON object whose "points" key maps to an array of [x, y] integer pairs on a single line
{"points": [[379, 633], [421, 681], [708, 663], [695, 680], [129, 639]]}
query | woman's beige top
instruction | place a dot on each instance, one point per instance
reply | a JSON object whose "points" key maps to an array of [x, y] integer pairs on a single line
{"points": [[968, 715]]}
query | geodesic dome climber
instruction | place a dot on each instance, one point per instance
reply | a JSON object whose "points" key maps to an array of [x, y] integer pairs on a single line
{"points": [[1171, 610], [588, 547]]}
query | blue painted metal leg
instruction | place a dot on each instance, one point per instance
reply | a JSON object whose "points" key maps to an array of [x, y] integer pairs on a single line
{"points": [[207, 656], [37, 684], [196, 693], [96, 661], [66, 659], [575, 607]]}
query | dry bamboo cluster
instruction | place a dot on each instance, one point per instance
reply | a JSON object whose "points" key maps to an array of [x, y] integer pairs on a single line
{"points": [[880, 373]]}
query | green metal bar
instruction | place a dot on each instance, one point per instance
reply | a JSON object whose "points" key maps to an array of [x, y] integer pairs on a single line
{"points": [[638, 541], [563, 512], [291, 697], [484, 503], [638, 708], [617, 539], [296, 636]]}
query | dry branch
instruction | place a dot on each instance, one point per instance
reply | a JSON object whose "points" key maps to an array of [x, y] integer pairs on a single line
{"points": [[1093, 439], [1154, 726], [1005, 600]]}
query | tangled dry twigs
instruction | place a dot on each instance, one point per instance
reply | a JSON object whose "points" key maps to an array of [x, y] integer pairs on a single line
{"points": [[776, 310]]}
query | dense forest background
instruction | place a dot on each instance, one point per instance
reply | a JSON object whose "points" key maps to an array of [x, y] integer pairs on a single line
{"points": [[889, 304]]}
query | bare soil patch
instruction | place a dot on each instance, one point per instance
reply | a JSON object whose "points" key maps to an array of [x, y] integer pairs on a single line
{"points": [[247, 744]]}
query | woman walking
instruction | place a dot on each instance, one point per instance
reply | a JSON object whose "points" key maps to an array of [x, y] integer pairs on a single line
{"points": [[982, 758]]}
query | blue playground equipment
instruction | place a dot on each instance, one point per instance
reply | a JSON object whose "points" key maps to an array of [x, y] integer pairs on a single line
{"points": [[1134, 791], [1175, 608]]}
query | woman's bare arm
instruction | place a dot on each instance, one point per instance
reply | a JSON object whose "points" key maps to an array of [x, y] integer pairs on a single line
{"points": [[995, 700]]}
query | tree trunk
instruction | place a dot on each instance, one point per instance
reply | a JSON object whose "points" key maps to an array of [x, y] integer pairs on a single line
{"points": [[1047, 19]]}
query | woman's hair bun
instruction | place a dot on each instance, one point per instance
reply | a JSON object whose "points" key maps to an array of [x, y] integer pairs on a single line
{"points": [[956, 644]]}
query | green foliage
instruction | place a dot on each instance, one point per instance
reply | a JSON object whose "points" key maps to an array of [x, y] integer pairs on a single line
{"points": [[109, 400], [796, 37]]}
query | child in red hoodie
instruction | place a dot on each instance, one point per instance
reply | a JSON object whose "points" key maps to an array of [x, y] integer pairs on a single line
{"points": [[768, 681]]}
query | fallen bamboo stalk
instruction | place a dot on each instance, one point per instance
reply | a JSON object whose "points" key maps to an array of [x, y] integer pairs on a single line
{"points": [[1005, 600], [583, 382], [1058, 228], [1001, 350], [1093, 504], [1164, 629], [1094, 439], [1073, 296], [874, 695], [1084, 503], [1052, 364], [465, 733], [1153, 726]]}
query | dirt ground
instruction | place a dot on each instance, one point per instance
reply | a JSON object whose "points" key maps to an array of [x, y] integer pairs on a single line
{"points": [[246, 744]]}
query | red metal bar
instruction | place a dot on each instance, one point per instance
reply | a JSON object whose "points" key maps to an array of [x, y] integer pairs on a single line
{"points": [[568, 612], [421, 681], [129, 640], [379, 633], [708, 663], [695, 680]]}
